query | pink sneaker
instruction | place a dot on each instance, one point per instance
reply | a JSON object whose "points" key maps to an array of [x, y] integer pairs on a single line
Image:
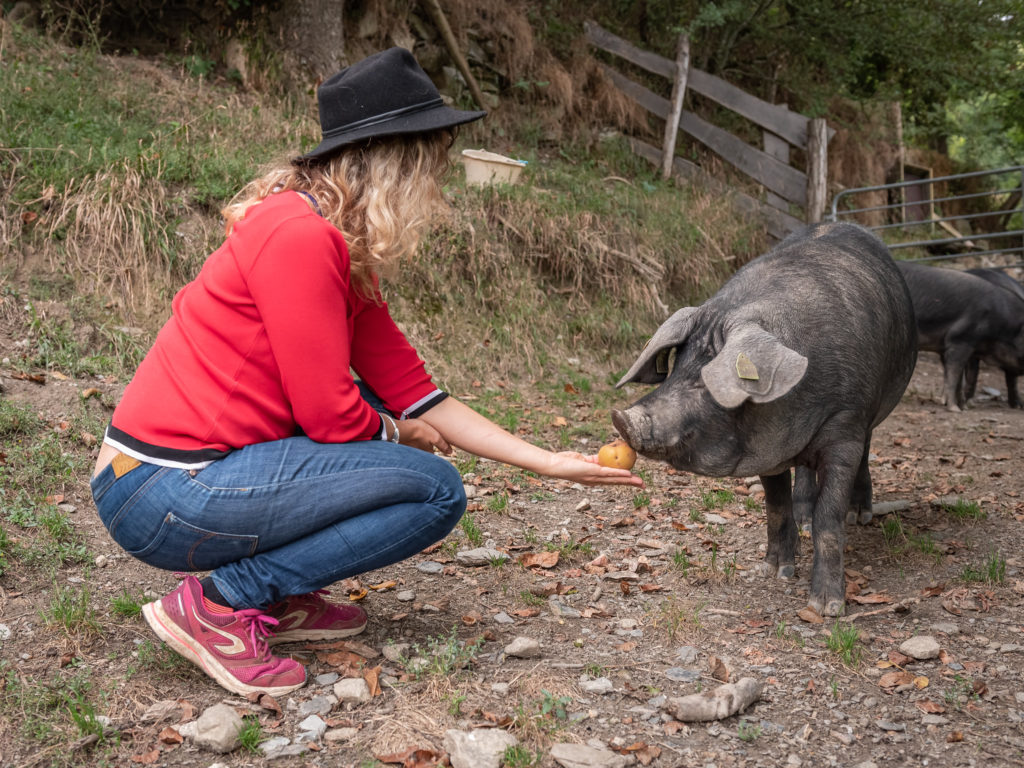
{"points": [[310, 617], [230, 647]]}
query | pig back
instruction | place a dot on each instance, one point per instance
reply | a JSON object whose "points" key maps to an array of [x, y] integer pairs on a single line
{"points": [[832, 292]]}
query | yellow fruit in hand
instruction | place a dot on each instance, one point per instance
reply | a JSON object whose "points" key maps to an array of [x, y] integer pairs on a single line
{"points": [[616, 454]]}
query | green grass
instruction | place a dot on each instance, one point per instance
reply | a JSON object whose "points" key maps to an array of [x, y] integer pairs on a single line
{"points": [[126, 605], [844, 641], [570, 549], [70, 609], [251, 735], [992, 571], [441, 656], [471, 529], [717, 499], [964, 510]]}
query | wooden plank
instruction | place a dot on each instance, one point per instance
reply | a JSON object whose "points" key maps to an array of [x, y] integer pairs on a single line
{"points": [[776, 118], [777, 223], [817, 170], [783, 180], [668, 149]]}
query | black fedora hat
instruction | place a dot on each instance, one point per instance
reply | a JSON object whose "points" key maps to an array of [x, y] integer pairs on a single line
{"points": [[386, 94]]}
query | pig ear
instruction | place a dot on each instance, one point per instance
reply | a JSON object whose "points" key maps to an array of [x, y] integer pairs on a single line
{"points": [[753, 364], [652, 365]]}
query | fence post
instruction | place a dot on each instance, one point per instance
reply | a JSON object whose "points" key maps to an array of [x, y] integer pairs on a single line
{"points": [[817, 168], [678, 92]]}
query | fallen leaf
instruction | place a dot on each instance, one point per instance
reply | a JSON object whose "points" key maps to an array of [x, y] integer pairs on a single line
{"points": [[415, 757], [624, 587], [266, 701], [147, 758], [672, 727], [899, 659], [954, 736], [90, 392], [539, 559], [718, 669], [873, 598], [650, 587], [372, 678], [627, 646], [526, 613], [810, 615], [358, 595], [929, 707], [391, 584], [895, 678], [170, 735], [920, 682]]}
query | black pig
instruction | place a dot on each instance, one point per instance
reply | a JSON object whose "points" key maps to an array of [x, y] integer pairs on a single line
{"points": [[1000, 278], [962, 316], [793, 362]]}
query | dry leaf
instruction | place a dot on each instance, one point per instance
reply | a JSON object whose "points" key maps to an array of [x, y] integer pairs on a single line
{"points": [[874, 598], [718, 669], [895, 678], [170, 735], [372, 678], [954, 736], [390, 584], [539, 559], [810, 615], [899, 659], [415, 757], [358, 595], [627, 646], [90, 392], [147, 758], [930, 707], [266, 701]]}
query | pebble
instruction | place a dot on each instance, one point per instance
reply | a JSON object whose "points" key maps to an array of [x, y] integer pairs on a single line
{"points": [[327, 678], [405, 596], [479, 748], [340, 734], [318, 705], [5, 632], [889, 725], [680, 675], [429, 566], [217, 729], [523, 648], [583, 506], [395, 652], [352, 690], [560, 609], [934, 720], [712, 519], [946, 628], [313, 725], [583, 756], [1011, 648], [503, 618], [475, 558], [598, 686], [686, 654], [101, 561], [501, 689], [921, 647]]}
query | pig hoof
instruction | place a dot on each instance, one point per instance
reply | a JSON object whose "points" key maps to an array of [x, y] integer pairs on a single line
{"points": [[833, 608], [851, 516], [786, 571], [865, 517], [765, 569]]}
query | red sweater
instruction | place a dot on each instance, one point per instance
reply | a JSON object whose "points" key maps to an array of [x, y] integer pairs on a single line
{"points": [[260, 345]]}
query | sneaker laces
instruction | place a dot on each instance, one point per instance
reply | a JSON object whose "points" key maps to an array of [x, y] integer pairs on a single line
{"points": [[259, 625]]}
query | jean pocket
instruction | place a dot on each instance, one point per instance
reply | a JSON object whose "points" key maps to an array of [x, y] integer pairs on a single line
{"points": [[178, 545]]}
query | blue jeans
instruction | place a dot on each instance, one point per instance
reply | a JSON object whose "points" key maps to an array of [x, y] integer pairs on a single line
{"points": [[285, 517]]}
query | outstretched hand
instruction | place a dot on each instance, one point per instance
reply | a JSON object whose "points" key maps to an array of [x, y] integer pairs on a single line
{"points": [[574, 466]]}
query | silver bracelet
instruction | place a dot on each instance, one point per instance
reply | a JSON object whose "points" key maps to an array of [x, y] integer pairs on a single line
{"points": [[394, 428]]}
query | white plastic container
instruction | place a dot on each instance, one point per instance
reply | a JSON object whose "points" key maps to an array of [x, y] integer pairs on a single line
{"points": [[483, 167]]}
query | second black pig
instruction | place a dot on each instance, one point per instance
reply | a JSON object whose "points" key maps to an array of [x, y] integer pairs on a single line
{"points": [[793, 362], [1003, 280], [962, 316]]}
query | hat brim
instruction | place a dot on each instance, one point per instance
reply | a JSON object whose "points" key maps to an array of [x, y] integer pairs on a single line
{"points": [[421, 122]]}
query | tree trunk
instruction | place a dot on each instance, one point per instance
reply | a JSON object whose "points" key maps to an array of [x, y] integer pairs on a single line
{"points": [[312, 40]]}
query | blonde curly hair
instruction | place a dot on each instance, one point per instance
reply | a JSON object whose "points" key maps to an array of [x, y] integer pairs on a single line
{"points": [[381, 194]]}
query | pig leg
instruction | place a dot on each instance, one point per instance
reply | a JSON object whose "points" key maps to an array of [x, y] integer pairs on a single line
{"points": [[805, 491], [839, 466], [971, 377], [780, 560], [954, 362], [860, 498], [1012, 398]]}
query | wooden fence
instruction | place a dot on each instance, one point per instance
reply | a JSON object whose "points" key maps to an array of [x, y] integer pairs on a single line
{"points": [[785, 187]]}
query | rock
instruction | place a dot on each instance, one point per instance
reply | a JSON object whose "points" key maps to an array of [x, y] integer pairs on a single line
{"points": [[712, 519], [273, 745], [686, 654], [318, 705], [921, 647], [429, 566], [352, 690], [405, 596], [501, 689], [473, 558], [101, 561], [889, 725], [217, 729], [314, 725], [158, 711], [327, 678], [560, 609], [582, 756], [680, 675], [395, 652], [503, 618], [599, 686], [583, 506], [716, 704], [621, 576], [934, 720], [336, 735], [946, 628], [479, 748], [523, 648]]}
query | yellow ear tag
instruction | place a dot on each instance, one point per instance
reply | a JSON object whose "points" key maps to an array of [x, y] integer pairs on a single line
{"points": [[745, 367]]}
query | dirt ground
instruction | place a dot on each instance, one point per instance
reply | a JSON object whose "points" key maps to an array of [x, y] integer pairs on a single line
{"points": [[655, 592]]}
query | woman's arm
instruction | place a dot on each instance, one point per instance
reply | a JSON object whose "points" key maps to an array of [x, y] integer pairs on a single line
{"points": [[456, 424]]}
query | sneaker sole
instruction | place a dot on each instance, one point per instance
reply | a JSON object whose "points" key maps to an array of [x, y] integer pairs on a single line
{"points": [[307, 635], [168, 631]]}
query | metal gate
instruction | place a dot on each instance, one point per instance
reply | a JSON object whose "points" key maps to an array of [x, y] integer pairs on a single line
{"points": [[948, 217]]}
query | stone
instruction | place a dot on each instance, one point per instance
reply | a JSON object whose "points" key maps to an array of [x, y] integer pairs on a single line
{"points": [[395, 652], [352, 690], [686, 654], [501, 689], [583, 756], [479, 748], [946, 628], [405, 596], [716, 704], [598, 686], [318, 705], [680, 675], [314, 725], [327, 678], [480, 556], [217, 729], [429, 566], [503, 618], [712, 519], [523, 648], [336, 735], [921, 647]]}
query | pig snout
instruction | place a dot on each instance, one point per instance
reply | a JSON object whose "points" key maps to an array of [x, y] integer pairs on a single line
{"points": [[634, 426]]}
